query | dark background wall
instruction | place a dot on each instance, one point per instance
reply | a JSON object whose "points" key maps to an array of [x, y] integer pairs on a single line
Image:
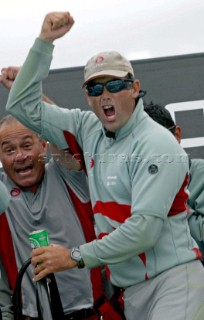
{"points": [[167, 80]]}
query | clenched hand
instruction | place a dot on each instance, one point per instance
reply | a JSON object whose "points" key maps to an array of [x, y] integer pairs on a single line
{"points": [[56, 25]]}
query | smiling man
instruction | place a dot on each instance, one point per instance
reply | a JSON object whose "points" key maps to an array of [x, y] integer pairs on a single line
{"points": [[52, 197], [20, 149], [138, 188]]}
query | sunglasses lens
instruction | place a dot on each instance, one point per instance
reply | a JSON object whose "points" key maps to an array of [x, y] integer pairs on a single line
{"points": [[95, 90], [112, 86], [115, 86], [98, 89]]}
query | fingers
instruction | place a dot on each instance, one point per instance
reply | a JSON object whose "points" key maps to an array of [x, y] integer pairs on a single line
{"points": [[61, 20], [55, 25], [53, 258], [10, 72], [38, 255], [8, 76], [40, 272], [40, 259]]}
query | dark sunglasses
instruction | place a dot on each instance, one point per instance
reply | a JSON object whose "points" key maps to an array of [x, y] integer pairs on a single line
{"points": [[113, 86]]}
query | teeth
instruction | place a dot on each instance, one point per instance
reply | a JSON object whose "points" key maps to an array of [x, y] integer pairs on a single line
{"points": [[107, 107], [20, 170]]}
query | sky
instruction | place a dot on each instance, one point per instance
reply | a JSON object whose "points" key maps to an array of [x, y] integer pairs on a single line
{"points": [[139, 29]]}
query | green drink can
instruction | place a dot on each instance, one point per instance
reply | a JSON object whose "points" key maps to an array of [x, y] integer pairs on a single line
{"points": [[39, 238]]}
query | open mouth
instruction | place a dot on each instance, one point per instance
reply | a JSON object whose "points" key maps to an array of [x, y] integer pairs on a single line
{"points": [[24, 170], [109, 112]]}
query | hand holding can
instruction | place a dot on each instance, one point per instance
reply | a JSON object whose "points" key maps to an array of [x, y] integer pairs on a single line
{"points": [[39, 238]]}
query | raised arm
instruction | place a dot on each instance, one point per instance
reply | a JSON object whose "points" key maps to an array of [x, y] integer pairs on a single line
{"points": [[25, 98]]}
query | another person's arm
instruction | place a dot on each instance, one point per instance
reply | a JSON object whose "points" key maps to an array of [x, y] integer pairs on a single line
{"points": [[5, 292], [4, 197], [196, 200], [5, 296], [64, 158], [8, 75]]}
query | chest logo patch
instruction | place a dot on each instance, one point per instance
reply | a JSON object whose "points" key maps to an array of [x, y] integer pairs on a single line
{"points": [[15, 192], [153, 169]]}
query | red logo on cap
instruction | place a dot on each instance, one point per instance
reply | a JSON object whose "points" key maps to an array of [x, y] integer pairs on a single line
{"points": [[99, 59], [15, 192]]}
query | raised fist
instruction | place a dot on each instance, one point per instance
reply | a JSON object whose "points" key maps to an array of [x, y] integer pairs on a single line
{"points": [[8, 76], [56, 25]]}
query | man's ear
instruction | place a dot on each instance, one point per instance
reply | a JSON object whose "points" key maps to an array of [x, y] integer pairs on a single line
{"points": [[178, 133], [135, 88], [44, 145]]}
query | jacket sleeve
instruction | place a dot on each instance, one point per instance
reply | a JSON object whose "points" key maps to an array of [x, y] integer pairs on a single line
{"points": [[196, 200], [5, 294], [47, 120], [151, 203], [25, 97], [4, 197]]}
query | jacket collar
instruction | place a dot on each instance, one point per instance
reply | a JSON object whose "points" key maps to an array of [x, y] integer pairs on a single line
{"points": [[138, 115]]}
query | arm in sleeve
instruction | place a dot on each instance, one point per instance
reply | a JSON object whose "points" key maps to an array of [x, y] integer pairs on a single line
{"points": [[25, 97], [25, 102], [5, 294], [196, 218], [125, 242], [151, 203], [196, 200], [4, 197], [196, 225]]}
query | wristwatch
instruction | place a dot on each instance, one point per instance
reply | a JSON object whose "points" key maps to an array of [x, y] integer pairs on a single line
{"points": [[76, 256]]}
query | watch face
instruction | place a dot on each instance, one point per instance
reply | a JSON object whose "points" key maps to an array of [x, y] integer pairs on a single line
{"points": [[75, 254]]}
